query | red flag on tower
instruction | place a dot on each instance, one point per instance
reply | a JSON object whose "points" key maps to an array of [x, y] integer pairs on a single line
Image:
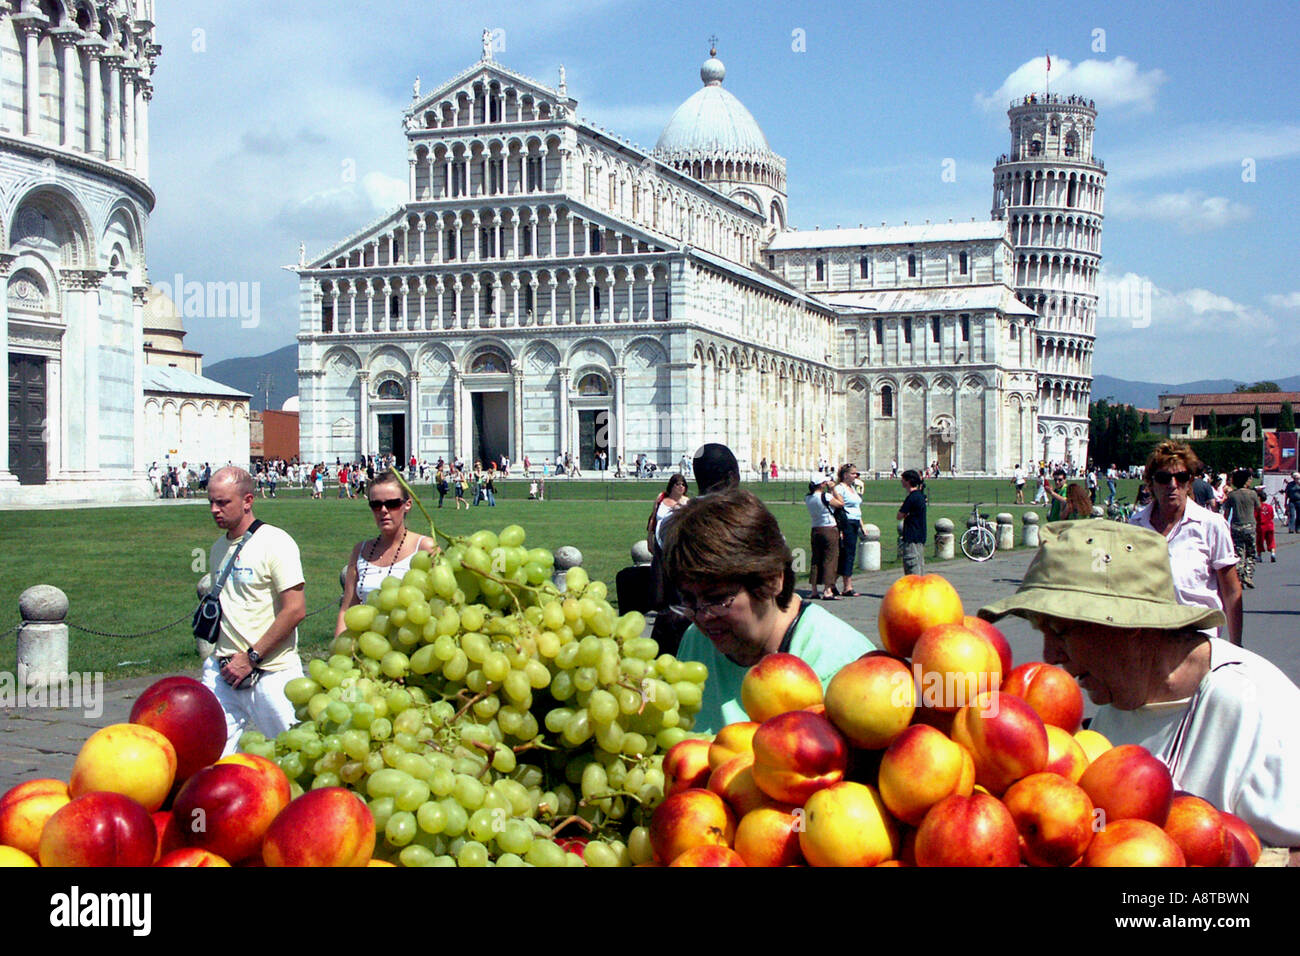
{"points": [[1049, 63]]}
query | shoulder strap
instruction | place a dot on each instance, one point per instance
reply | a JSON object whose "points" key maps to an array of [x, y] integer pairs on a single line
{"points": [[230, 563]]}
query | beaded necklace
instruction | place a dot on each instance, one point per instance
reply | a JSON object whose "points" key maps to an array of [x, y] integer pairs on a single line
{"points": [[370, 561]]}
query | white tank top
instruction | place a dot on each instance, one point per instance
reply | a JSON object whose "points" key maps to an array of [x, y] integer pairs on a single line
{"points": [[371, 576]]}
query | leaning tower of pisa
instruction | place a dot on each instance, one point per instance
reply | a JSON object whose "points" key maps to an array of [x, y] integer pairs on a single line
{"points": [[1049, 189]]}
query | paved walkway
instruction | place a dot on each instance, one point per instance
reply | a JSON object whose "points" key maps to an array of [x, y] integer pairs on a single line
{"points": [[43, 742]]}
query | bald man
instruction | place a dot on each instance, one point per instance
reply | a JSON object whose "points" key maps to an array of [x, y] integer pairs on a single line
{"points": [[262, 603]]}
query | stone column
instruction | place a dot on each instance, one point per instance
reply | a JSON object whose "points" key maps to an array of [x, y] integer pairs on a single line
{"points": [[869, 548], [421, 226], [410, 165], [6, 261], [533, 284], [620, 413], [515, 319], [1030, 534], [609, 289], [457, 287], [564, 414], [114, 59], [363, 426], [650, 294], [66, 38], [517, 374], [130, 75], [551, 317], [1006, 531], [573, 299], [438, 289], [413, 423], [404, 290], [477, 321], [143, 94], [943, 539], [370, 309], [29, 31], [423, 289]]}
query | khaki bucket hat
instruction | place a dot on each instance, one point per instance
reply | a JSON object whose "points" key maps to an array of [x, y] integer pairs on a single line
{"points": [[1103, 572]]}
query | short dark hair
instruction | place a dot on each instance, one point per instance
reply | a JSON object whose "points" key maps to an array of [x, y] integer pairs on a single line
{"points": [[729, 536], [912, 477], [1240, 477], [715, 468]]}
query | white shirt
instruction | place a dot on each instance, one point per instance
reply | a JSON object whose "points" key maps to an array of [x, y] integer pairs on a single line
{"points": [[820, 514], [1199, 546], [852, 501], [1235, 742]]}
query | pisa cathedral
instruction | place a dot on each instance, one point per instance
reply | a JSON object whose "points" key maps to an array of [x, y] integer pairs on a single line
{"points": [[549, 288]]}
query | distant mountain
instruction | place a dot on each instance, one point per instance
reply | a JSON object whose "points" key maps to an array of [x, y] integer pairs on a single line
{"points": [[245, 374], [1119, 391]]}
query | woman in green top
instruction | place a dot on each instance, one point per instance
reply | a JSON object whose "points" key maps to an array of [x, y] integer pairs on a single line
{"points": [[734, 572]]}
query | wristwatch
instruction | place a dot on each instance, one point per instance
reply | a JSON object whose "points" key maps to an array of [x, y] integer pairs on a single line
{"points": [[254, 658]]}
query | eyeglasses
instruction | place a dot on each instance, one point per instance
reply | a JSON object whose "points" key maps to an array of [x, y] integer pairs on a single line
{"points": [[1164, 477], [708, 609], [392, 504]]}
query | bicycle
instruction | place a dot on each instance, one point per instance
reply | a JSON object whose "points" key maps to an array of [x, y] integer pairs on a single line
{"points": [[978, 542]]}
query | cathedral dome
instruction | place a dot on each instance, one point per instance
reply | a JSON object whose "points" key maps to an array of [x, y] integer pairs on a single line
{"points": [[712, 123]]}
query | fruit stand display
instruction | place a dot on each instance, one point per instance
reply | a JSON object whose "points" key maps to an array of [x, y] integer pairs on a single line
{"points": [[473, 714]]}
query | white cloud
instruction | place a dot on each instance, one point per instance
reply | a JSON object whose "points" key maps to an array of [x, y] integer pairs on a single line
{"points": [[1290, 300], [1190, 210], [1197, 147], [1149, 333], [1114, 84]]}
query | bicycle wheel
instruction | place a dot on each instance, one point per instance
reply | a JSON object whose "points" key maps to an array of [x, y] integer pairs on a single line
{"points": [[978, 544]]}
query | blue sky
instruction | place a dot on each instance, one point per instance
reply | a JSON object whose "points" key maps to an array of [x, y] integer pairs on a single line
{"points": [[274, 124]]}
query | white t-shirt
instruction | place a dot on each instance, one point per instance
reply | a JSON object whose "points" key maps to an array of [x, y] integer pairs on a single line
{"points": [[663, 515], [1235, 743], [268, 565], [1199, 546], [820, 514], [1020, 476]]}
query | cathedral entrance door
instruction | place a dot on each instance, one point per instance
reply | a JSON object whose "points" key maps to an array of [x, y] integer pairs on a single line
{"points": [[490, 438], [392, 436], [593, 435], [27, 445]]}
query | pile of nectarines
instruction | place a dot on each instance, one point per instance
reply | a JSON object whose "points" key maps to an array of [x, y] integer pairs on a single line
{"points": [[156, 791], [932, 752]]}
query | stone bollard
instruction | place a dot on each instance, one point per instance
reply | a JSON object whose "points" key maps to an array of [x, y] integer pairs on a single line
{"points": [[943, 539], [1006, 531], [641, 556], [869, 548], [42, 636], [565, 557], [1030, 521]]}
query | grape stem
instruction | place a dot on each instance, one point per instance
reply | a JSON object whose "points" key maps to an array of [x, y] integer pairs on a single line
{"points": [[585, 824], [638, 691], [468, 704], [535, 744], [588, 801]]}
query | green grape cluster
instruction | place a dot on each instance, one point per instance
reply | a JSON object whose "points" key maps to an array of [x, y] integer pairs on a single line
{"points": [[486, 716]]}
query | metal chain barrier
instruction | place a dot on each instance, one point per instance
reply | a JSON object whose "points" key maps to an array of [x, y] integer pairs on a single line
{"points": [[157, 630]]}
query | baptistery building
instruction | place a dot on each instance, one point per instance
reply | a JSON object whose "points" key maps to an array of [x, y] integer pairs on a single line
{"points": [[549, 288], [76, 78]]}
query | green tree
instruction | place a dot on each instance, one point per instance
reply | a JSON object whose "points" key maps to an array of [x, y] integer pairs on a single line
{"points": [[1146, 423], [1258, 387], [1212, 430], [1286, 419]]}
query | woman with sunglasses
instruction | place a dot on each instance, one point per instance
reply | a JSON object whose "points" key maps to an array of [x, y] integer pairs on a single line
{"points": [[1200, 545], [734, 575], [387, 554]]}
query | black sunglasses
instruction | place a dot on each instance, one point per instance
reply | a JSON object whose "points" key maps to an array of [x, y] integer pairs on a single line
{"points": [[1164, 477], [392, 504]]}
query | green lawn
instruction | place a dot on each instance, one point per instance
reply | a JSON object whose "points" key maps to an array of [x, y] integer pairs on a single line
{"points": [[128, 570]]}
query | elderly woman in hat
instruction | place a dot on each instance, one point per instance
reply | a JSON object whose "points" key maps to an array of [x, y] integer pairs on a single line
{"points": [[1222, 718]]}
